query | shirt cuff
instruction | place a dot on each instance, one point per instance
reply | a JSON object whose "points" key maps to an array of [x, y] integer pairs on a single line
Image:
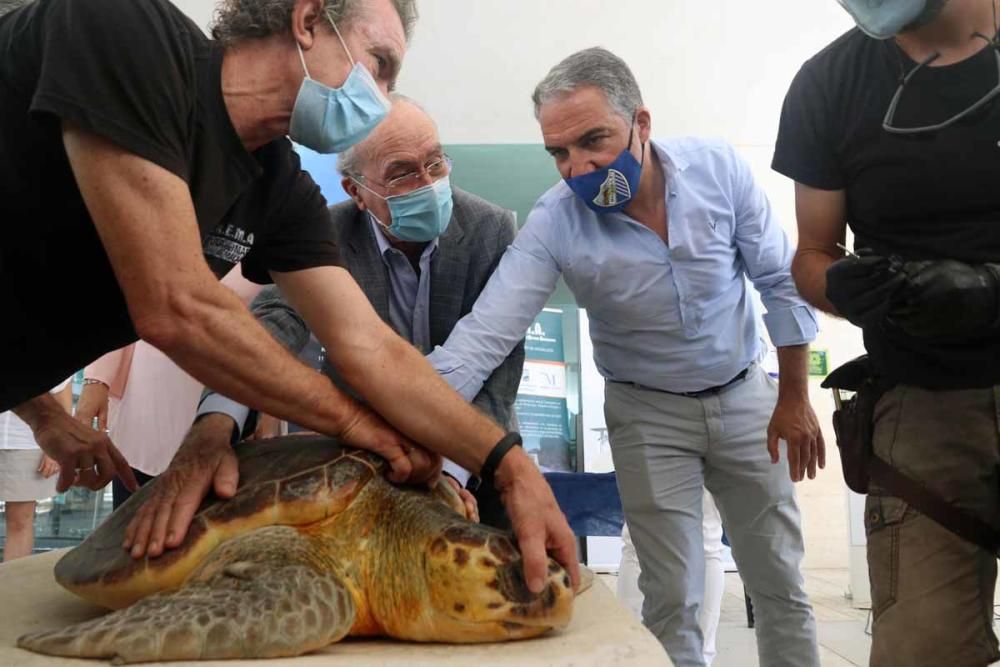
{"points": [[794, 326], [212, 402], [463, 380], [456, 471]]}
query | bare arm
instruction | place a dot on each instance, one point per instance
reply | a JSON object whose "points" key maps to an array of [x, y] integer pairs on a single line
{"points": [[822, 223], [794, 420], [146, 221], [389, 373], [402, 386], [86, 457]]}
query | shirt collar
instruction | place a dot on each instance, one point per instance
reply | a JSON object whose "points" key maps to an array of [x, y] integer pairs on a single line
{"points": [[672, 161], [384, 246]]}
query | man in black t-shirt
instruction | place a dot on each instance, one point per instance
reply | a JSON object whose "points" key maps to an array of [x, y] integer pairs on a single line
{"points": [[913, 169], [139, 161]]}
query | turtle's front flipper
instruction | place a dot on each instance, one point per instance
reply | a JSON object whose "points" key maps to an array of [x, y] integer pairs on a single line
{"points": [[265, 594]]}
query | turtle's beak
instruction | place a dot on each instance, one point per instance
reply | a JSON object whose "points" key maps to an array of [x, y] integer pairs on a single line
{"points": [[552, 607]]}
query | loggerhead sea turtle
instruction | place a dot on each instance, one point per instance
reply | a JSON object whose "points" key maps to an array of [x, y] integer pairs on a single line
{"points": [[315, 545]]}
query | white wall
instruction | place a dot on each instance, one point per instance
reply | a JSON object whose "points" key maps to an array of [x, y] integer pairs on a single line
{"points": [[200, 11]]}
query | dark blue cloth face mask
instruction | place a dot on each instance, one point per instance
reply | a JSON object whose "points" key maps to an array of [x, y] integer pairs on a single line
{"points": [[610, 189]]}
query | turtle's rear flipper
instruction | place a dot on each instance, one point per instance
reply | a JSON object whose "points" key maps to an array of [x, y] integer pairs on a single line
{"points": [[262, 595]]}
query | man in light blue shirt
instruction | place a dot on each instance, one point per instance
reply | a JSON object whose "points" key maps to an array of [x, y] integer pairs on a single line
{"points": [[657, 241]]}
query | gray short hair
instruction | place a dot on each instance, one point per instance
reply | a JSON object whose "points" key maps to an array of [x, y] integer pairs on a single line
{"points": [[592, 67], [351, 162], [238, 20]]}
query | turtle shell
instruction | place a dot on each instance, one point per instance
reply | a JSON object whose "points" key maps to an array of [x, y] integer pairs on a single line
{"points": [[293, 481]]}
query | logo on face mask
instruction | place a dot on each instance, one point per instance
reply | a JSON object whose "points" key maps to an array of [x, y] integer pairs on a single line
{"points": [[615, 189], [611, 188]]}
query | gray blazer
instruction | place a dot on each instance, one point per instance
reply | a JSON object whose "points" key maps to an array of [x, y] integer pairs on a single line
{"points": [[468, 253]]}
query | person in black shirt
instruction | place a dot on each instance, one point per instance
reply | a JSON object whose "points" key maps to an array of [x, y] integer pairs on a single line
{"points": [[139, 161], [899, 139]]}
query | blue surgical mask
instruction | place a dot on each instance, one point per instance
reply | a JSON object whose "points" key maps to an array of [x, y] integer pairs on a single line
{"points": [[883, 19], [331, 120], [419, 216], [610, 189]]}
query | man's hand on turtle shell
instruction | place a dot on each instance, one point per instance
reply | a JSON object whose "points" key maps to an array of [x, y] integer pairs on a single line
{"points": [[205, 460], [539, 525], [408, 461]]}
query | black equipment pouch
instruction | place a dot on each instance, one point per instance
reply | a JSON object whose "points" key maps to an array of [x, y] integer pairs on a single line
{"points": [[853, 419], [853, 423]]}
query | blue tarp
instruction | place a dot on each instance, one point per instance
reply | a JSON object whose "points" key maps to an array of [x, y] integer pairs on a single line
{"points": [[590, 502]]}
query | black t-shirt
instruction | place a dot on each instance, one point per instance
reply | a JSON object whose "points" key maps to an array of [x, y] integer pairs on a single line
{"points": [[142, 75], [927, 196]]}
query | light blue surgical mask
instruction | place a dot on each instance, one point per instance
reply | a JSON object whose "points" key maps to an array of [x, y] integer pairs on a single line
{"points": [[421, 215], [331, 120], [883, 19]]}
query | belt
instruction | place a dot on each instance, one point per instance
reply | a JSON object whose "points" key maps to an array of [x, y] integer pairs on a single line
{"points": [[696, 394]]}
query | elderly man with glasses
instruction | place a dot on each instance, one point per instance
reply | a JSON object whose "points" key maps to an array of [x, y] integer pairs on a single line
{"points": [[421, 251]]}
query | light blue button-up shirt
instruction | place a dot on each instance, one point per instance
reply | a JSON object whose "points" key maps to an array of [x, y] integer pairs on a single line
{"points": [[675, 316], [409, 294]]}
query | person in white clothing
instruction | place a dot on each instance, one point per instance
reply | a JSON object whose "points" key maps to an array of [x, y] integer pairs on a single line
{"points": [[145, 401], [27, 475]]}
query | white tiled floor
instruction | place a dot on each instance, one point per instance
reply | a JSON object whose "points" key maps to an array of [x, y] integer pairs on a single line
{"points": [[841, 628]]}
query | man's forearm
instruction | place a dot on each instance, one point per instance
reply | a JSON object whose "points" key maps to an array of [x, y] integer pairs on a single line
{"points": [[175, 302], [388, 373], [32, 410], [219, 342], [809, 271], [399, 384], [793, 372]]}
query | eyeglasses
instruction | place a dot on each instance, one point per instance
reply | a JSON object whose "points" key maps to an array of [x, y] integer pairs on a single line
{"points": [[890, 114], [436, 169]]}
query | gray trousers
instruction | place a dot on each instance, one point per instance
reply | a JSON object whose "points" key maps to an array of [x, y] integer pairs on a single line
{"points": [[665, 449]]}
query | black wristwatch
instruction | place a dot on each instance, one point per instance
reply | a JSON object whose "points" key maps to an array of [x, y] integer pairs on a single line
{"points": [[489, 469]]}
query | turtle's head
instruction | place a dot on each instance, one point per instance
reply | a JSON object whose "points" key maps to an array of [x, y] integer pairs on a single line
{"points": [[477, 590]]}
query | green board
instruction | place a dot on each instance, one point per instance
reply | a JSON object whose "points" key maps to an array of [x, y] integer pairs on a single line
{"points": [[818, 364], [510, 175]]}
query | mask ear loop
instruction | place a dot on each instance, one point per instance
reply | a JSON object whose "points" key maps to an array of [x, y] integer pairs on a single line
{"points": [[368, 210], [362, 185], [303, 59], [642, 155], [342, 42]]}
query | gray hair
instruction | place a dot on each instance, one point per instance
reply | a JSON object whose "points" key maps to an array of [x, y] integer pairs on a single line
{"points": [[238, 20], [351, 162], [592, 67]]}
